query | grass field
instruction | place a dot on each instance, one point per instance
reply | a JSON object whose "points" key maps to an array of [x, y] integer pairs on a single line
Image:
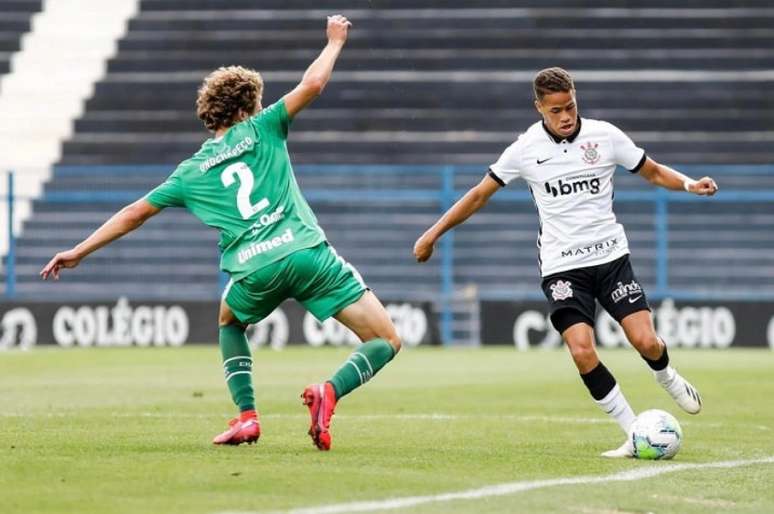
{"points": [[129, 430]]}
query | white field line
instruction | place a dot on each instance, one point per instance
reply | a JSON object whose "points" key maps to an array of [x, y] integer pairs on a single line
{"points": [[512, 488], [377, 417]]}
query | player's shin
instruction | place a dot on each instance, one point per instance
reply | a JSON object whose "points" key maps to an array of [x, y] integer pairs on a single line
{"points": [[361, 365], [238, 367], [607, 394]]}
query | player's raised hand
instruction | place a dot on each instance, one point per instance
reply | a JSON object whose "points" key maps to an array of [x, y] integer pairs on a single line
{"points": [[705, 186], [338, 26], [423, 248], [67, 259]]}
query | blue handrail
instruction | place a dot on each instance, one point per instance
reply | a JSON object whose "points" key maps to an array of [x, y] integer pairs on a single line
{"points": [[443, 194], [420, 195], [433, 169], [10, 272], [448, 197]]}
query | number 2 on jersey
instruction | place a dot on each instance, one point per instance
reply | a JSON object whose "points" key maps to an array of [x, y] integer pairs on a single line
{"points": [[246, 181]]}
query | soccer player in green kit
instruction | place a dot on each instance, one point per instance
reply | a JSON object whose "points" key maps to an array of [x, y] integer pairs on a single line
{"points": [[241, 182]]}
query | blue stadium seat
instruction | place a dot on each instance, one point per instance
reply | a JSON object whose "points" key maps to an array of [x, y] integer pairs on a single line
{"points": [[433, 86]]}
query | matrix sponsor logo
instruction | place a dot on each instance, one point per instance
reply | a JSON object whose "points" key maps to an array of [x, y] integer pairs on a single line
{"points": [[632, 290], [265, 246], [603, 248], [561, 188]]}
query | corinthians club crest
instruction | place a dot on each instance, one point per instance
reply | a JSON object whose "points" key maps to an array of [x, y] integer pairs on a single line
{"points": [[590, 153], [562, 290]]}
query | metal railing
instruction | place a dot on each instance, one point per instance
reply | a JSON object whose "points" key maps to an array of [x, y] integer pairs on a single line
{"points": [[10, 271], [443, 196]]}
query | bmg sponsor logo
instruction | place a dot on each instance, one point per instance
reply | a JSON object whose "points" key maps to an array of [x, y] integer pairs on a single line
{"points": [[561, 188]]}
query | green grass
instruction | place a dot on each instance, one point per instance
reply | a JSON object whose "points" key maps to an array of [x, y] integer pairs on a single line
{"points": [[129, 430]]}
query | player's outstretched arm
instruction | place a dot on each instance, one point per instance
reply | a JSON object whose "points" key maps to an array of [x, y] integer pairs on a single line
{"points": [[463, 209], [664, 176], [121, 223], [319, 72]]}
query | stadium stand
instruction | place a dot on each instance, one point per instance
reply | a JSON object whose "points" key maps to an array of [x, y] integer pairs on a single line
{"points": [[15, 20], [443, 87]]}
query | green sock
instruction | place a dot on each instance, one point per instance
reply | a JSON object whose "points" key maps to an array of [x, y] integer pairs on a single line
{"points": [[361, 365], [238, 365]]}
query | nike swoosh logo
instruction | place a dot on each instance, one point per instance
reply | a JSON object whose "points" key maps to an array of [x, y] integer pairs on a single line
{"points": [[544, 160], [632, 300]]}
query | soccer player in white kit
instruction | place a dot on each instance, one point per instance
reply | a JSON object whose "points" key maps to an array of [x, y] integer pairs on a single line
{"points": [[568, 163]]}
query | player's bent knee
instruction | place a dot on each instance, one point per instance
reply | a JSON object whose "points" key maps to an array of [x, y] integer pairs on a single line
{"points": [[391, 336], [583, 354], [234, 323], [649, 347], [226, 319], [226, 315], [646, 342], [395, 342]]}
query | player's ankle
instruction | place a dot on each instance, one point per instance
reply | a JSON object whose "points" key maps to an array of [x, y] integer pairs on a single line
{"points": [[333, 387], [666, 375], [247, 415]]}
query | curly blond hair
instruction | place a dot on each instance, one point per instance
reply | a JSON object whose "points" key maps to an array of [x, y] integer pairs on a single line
{"points": [[226, 93], [552, 80]]}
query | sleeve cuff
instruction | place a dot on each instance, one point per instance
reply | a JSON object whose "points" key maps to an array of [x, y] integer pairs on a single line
{"points": [[639, 164], [153, 202], [496, 178]]}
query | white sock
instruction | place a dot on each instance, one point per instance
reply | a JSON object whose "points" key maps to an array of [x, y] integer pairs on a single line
{"points": [[615, 405], [665, 376]]}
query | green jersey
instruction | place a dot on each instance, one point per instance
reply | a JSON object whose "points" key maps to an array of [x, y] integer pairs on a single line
{"points": [[243, 185]]}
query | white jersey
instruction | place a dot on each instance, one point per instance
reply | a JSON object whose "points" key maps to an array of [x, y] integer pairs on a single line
{"points": [[571, 181]]}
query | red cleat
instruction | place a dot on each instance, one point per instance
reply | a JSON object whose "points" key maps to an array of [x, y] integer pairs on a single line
{"points": [[239, 432], [321, 400]]}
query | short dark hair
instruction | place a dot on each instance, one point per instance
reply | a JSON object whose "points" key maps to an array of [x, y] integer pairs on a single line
{"points": [[552, 80], [225, 92]]}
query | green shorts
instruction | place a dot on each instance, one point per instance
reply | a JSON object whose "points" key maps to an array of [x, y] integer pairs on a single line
{"points": [[317, 277]]}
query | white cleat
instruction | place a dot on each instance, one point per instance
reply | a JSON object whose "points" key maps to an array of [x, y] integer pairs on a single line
{"points": [[625, 451], [684, 394]]}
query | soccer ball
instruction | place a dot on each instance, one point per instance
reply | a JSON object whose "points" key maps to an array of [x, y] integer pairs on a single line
{"points": [[655, 434]]}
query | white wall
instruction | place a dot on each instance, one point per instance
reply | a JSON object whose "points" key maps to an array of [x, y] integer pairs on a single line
{"points": [[51, 77]]}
